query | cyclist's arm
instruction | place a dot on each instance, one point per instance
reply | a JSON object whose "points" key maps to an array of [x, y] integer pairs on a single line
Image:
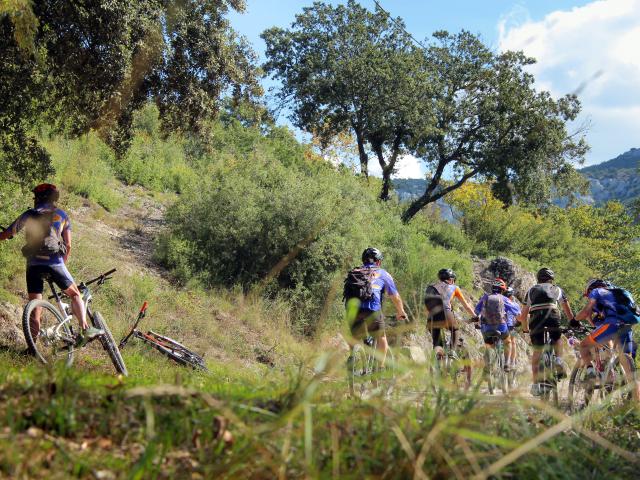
{"points": [[14, 228], [66, 238], [567, 310], [524, 318], [585, 313], [397, 302], [467, 306]]}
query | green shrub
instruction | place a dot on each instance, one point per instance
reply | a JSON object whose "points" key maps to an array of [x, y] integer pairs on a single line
{"points": [[83, 166]]}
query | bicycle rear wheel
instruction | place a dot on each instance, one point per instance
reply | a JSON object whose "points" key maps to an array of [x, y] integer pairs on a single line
{"points": [[109, 344], [54, 340], [615, 379], [177, 352], [357, 369], [581, 390]]}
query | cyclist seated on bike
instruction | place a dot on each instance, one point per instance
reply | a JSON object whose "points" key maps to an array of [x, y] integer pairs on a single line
{"points": [[492, 310], [438, 299], [542, 304], [512, 321], [364, 291], [609, 325], [48, 244]]}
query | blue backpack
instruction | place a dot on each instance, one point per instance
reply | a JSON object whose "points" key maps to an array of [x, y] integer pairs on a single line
{"points": [[626, 308]]}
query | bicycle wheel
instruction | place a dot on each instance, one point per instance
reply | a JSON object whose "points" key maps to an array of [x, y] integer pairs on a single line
{"points": [[176, 351], [501, 375], [460, 367], [581, 390], [615, 379], [54, 341], [357, 369], [489, 359], [109, 344]]}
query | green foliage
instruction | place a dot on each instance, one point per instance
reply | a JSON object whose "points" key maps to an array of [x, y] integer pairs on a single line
{"points": [[83, 167], [490, 123], [153, 161], [81, 66], [344, 68]]}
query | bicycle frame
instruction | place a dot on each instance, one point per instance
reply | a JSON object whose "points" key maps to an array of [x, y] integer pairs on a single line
{"points": [[64, 308]]}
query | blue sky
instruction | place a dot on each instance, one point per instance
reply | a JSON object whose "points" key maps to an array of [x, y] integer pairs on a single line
{"points": [[589, 46]]}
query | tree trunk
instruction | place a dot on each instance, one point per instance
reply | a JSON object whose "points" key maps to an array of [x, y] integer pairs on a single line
{"points": [[362, 153]]}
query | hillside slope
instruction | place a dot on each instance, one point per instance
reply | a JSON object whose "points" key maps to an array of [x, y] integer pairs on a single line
{"points": [[615, 179]]}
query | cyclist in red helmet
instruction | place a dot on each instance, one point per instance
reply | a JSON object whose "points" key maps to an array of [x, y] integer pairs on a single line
{"points": [[48, 235]]}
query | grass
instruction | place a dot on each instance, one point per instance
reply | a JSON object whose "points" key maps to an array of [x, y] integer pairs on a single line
{"points": [[168, 422], [289, 417]]}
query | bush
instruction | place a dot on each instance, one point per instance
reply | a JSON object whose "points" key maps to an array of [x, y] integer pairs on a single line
{"points": [[153, 161], [84, 167]]}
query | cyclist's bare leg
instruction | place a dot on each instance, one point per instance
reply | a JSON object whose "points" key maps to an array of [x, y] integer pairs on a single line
{"points": [[586, 347], [557, 347], [625, 360], [77, 305], [34, 321], [535, 360], [508, 349], [382, 347], [512, 352]]}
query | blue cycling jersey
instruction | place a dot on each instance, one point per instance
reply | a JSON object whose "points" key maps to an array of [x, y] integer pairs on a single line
{"points": [[382, 284], [61, 223]]}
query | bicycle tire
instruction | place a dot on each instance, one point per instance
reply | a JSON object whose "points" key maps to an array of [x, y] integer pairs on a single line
{"points": [[109, 344], [488, 370], [178, 352], [357, 369], [40, 352], [579, 395], [615, 372]]}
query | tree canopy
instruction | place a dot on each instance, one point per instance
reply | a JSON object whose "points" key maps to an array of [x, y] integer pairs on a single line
{"points": [[492, 124], [345, 68], [77, 66]]}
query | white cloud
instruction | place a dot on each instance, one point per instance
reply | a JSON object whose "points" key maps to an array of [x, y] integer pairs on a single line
{"points": [[409, 167], [591, 50]]}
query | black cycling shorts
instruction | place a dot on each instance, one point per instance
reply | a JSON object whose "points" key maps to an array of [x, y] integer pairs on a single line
{"points": [[57, 273], [367, 321], [541, 320]]}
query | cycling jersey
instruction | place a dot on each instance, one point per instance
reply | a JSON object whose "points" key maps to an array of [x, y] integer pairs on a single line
{"points": [[610, 326], [543, 300], [511, 308], [60, 222], [382, 284]]}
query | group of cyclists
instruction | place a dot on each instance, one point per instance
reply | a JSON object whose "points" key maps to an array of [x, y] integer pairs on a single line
{"points": [[498, 313], [48, 235]]}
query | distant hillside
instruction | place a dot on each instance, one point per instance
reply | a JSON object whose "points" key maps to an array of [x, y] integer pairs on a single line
{"points": [[616, 179]]}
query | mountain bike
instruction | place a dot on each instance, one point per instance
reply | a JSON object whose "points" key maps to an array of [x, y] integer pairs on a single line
{"points": [[609, 374], [548, 377], [494, 359], [56, 339], [363, 365], [165, 345], [452, 363]]}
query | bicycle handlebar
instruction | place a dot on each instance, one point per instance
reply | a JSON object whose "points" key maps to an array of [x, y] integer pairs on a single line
{"points": [[100, 278], [141, 315]]}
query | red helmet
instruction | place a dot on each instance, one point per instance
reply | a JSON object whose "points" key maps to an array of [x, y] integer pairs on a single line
{"points": [[499, 286], [46, 191]]}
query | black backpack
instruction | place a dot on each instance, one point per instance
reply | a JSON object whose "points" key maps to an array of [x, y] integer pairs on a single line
{"points": [[43, 239], [359, 284]]}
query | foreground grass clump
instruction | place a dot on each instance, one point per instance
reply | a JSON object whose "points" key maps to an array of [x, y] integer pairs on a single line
{"points": [[297, 423]]}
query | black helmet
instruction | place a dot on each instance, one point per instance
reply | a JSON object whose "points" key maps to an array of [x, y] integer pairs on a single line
{"points": [[46, 192], [545, 274], [371, 255], [595, 283], [508, 292], [446, 274]]}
